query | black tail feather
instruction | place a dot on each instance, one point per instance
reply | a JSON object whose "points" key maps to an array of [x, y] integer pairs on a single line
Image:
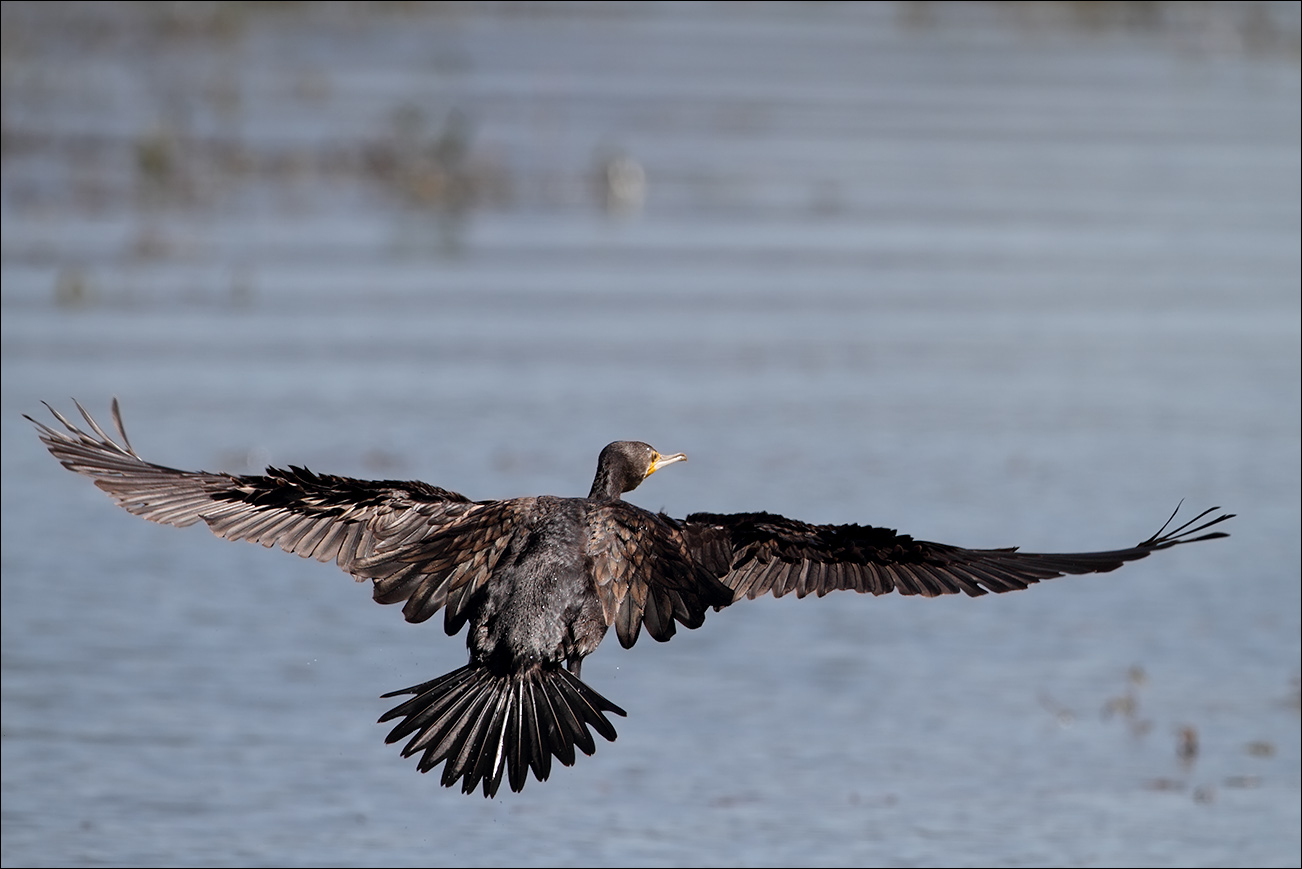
{"points": [[485, 726]]}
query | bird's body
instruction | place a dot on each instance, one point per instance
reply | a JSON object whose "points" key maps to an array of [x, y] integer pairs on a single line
{"points": [[541, 605], [540, 580], [539, 613]]}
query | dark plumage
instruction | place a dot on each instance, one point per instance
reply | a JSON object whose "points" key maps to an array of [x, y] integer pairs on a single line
{"points": [[540, 580]]}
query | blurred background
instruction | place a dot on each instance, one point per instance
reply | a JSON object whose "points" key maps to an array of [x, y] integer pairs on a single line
{"points": [[993, 274]]}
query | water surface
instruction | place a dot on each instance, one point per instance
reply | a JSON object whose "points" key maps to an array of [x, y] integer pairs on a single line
{"points": [[988, 279]]}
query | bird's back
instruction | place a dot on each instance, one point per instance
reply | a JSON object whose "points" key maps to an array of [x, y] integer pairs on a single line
{"points": [[541, 605]]}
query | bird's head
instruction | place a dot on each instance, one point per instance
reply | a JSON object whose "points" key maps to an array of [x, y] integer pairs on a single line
{"points": [[625, 464]]}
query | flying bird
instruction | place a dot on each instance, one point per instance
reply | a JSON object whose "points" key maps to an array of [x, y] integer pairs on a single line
{"points": [[540, 580]]}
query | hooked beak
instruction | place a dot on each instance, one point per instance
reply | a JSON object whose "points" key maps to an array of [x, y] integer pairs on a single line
{"points": [[658, 461]]}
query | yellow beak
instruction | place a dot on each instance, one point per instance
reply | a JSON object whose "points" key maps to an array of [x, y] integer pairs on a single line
{"points": [[658, 461]]}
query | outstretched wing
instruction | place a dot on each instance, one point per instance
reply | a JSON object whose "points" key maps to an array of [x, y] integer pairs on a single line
{"points": [[367, 527], [645, 575], [759, 553]]}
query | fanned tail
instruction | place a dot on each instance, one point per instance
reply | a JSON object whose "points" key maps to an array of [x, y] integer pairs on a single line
{"points": [[486, 725]]}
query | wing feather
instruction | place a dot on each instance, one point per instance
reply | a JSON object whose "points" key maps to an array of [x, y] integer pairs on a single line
{"points": [[755, 554], [416, 542], [644, 574]]}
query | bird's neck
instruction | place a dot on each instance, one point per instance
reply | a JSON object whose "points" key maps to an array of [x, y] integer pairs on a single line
{"points": [[604, 487]]}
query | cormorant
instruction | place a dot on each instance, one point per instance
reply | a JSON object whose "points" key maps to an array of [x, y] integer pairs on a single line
{"points": [[541, 579]]}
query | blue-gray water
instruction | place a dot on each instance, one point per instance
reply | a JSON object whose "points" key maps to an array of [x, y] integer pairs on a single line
{"points": [[1019, 274]]}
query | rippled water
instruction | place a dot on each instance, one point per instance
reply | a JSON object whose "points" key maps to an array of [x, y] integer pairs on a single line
{"points": [[991, 277]]}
